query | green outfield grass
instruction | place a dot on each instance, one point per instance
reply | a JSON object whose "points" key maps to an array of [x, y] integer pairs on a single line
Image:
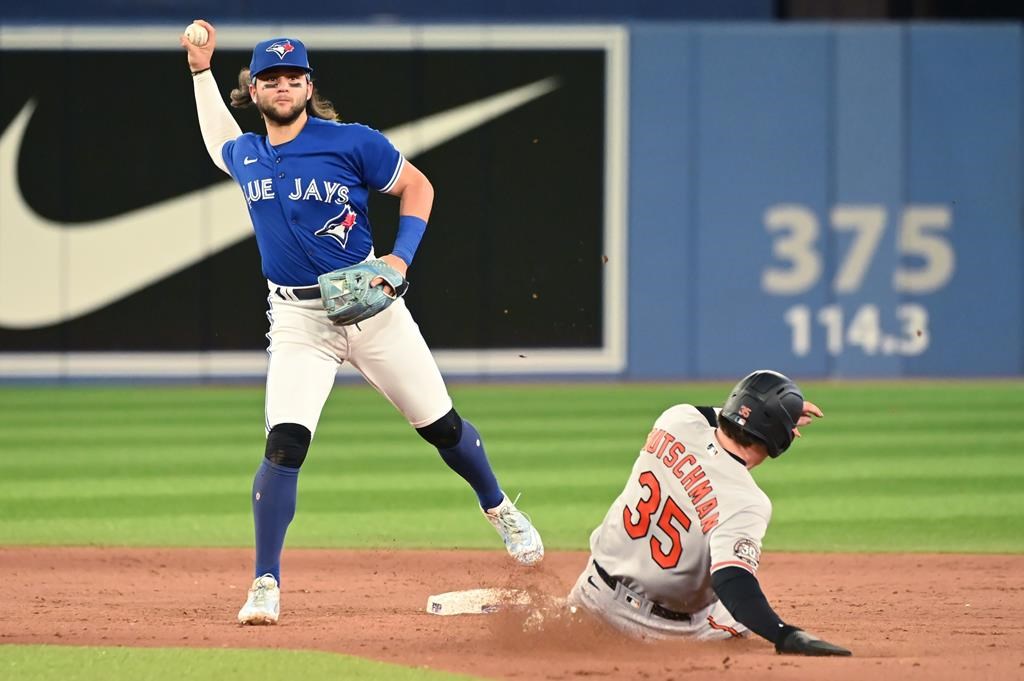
{"points": [[32, 663], [902, 466]]}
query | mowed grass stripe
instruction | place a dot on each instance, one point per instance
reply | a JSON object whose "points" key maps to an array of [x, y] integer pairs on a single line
{"points": [[173, 466], [830, 475], [389, 531], [955, 534], [45, 663], [890, 494], [867, 395]]}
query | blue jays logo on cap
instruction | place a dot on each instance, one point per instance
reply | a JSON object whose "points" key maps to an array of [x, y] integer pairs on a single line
{"points": [[281, 48], [278, 52]]}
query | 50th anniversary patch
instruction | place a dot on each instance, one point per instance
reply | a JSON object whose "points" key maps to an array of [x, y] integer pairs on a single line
{"points": [[747, 551]]}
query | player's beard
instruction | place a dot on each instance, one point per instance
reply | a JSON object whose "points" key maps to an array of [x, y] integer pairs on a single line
{"points": [[271, 114]]}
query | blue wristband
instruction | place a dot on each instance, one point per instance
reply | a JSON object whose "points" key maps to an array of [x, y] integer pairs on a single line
{"points": [[410, 232]]}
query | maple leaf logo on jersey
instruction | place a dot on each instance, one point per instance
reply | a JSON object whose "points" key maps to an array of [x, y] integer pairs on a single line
{"points": [[281, 48], [339, 226]]}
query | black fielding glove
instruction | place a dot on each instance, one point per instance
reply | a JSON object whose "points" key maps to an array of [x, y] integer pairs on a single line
{"points": [[793, 641]]}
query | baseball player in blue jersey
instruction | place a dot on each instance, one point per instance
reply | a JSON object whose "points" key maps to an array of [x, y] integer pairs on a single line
{"points": [[306, 183]]}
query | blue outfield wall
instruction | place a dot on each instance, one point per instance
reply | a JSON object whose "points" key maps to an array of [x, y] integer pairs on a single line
{"points": [[830, 200]]}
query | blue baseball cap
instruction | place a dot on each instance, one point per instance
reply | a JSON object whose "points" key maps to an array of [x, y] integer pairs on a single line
{"points": [[276, 52]]}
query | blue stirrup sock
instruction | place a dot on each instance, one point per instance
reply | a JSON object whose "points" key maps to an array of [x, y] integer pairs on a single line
{"points": [[273, 507], [469, 460]]}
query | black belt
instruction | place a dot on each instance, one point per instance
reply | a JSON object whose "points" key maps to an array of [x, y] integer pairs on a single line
{"points": [[302, 293], [656, 609]]}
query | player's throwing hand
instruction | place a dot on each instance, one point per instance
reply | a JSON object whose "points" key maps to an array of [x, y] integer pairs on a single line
{"points": [[199, 56]]}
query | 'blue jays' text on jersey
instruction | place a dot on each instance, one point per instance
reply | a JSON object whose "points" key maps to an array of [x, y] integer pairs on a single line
{"points": [[308, 197]]}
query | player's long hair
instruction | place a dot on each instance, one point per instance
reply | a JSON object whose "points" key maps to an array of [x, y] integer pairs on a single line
{"points": [[317, 106]]}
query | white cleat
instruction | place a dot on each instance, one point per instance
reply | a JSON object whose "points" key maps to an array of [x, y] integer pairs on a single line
{"points": [[263, 606], [520, 536]]}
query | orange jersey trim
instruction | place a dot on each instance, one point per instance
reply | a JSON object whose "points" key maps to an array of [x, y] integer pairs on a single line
{"points": [[732, 563]]}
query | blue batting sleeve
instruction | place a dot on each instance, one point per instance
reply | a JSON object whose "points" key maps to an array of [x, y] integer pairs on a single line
{"points": [[410, 232]]}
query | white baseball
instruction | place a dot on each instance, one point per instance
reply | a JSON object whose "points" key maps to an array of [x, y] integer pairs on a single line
{"points": [[196, 34]]}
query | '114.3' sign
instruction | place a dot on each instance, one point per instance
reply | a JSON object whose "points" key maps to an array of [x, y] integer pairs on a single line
{"points": [[926, 263]]}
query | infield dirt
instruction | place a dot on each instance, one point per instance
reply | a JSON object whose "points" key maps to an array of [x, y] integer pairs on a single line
{"points": [[905, 616]]}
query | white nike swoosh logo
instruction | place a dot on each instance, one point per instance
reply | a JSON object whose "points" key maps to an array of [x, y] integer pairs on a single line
{"points": [[51, 273], [249, 161]]}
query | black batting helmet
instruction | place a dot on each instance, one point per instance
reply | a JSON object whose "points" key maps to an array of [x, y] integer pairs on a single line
{"points": [[767, 406]]}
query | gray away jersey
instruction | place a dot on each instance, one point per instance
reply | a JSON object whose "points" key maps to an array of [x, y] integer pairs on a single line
{"points": [[687, 510]]}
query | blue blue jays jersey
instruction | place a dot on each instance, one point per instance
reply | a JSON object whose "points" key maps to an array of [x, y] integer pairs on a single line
{"points": [[308, 197]]}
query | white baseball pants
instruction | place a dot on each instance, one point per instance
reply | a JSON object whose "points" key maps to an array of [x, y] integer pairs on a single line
{"points": [[306, 349], [631, 614]]}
